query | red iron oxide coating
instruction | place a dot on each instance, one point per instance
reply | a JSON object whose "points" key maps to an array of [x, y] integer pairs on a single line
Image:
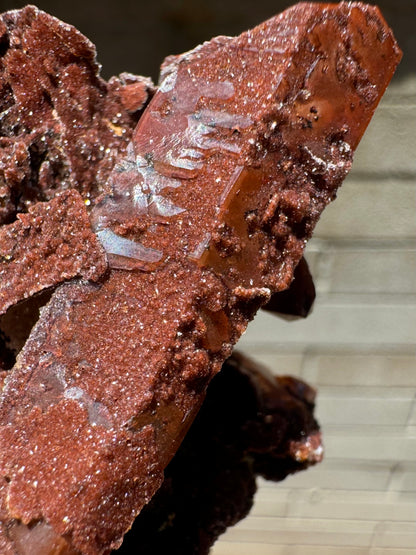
{"points": [[243, 145]]}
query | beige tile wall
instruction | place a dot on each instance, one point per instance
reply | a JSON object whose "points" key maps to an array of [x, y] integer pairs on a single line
{"points": [[358, 347]]}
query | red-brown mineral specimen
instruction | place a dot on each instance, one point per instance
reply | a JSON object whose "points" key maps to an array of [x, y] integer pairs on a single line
{"points": [[242, 146]]}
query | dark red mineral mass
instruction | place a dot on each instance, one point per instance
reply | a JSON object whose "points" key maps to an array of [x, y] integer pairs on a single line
{"points": [[298, 298], [247, 426], [242, 146]]}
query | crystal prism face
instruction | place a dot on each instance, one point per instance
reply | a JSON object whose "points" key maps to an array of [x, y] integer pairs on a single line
{"points": [[233, 130]]}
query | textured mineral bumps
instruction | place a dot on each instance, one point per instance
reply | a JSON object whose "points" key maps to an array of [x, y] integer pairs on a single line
{"points": [[61, 125], [51, 243], [203, 217]]}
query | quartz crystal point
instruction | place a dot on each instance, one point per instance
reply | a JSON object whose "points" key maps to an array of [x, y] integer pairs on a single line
{"points": [[242, 146]]}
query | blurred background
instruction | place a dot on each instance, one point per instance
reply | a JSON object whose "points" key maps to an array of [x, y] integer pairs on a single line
{"points": [[358, 347]]}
